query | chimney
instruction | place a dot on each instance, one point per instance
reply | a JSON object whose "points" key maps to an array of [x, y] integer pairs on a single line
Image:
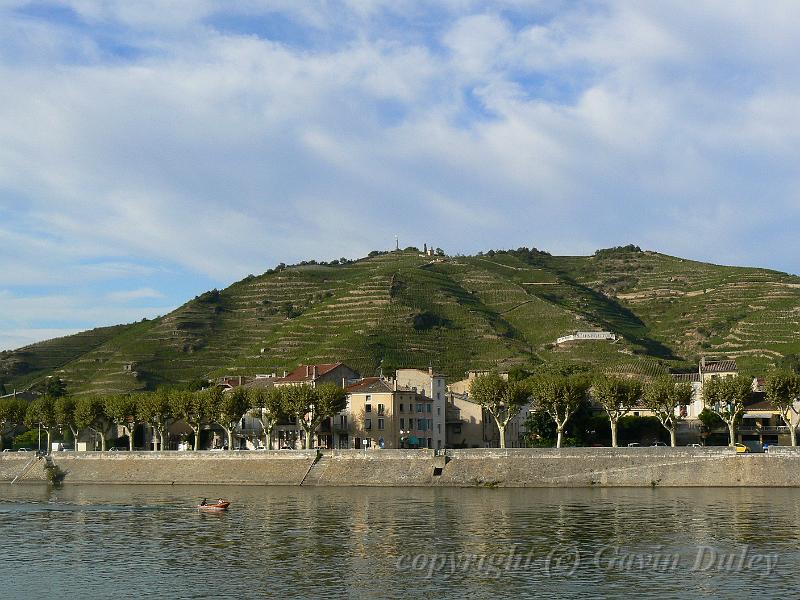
{"points": [[430, 370], [395, 384]]}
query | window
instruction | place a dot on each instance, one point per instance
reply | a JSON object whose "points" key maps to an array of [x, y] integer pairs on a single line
{"points": [[368, 398], [343, 420], [419, 407], [429, 426], [438, 396], [380, 423], [457, 428], [368, 424], [438, 428], [439, 410], [402, 423], [428, 408], [430, 443], [411, 423], [381, 409], [401, 407], [368, 407]]}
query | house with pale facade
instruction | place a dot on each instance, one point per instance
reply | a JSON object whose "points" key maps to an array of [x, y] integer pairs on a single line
{"points": [[469, 425]]}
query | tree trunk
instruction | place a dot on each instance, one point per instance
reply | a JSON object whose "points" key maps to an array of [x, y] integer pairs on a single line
{"points": [[732, 433], [502, 429], [102, 441], [792, 432], [130, 429], [161, 440], [307, 438], [49, 442], [229, 431], [673, 437], [560, 432], [613, 432], [196, 445]]}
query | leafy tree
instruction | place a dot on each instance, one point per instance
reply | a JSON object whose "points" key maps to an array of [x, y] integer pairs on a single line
{"points": [[311, 406], [155, 409], [298, 403], [12, 415], [90, 414], [42, 411], [617, 396], [123, 410], [727, 398], [503, 400], [65, 416], [560, 397], [55, 387], [783, 392], [194, 408], [541, 431], [709, 420], [230, 408], [665, 397], [267, 407]]}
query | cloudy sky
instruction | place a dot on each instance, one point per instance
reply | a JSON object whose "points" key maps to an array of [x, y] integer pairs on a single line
{"points": [[153, 149]]}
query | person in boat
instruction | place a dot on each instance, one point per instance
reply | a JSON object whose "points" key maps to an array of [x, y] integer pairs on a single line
{"points": [[220, 501], [204, 502]]}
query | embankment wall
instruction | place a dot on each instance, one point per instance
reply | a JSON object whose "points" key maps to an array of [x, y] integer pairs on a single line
{"points": [[569, 467]]}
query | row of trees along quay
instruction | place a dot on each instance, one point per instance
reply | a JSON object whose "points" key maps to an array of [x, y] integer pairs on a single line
{"points": [[198, 409], [559, 396]]}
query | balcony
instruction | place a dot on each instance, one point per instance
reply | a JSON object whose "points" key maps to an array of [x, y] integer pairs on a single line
{"points": [[766, 429]]}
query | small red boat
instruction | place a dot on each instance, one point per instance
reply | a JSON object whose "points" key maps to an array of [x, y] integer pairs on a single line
{"points": [[218, 506]]}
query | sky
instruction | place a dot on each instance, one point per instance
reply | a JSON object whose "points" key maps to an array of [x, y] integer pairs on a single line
{"points": [[152, 150]]}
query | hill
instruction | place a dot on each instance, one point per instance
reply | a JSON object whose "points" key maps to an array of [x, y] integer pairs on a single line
{"points": [[501, 308]]}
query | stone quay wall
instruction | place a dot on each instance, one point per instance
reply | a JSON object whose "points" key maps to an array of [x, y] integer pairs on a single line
{"points": [[539, 467]]}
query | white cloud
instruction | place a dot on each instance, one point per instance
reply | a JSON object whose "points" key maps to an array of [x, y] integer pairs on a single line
{"points": [[138, 294], [565, 126]]}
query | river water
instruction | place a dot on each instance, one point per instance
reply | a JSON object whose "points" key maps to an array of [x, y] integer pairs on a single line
{"points": [[287, 542]]}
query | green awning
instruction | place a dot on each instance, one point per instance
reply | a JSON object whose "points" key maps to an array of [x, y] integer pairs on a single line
{"points": [[412, 439]]}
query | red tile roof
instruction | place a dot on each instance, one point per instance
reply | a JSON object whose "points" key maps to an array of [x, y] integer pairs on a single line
{"points": [[306, 372], [374, 385]]}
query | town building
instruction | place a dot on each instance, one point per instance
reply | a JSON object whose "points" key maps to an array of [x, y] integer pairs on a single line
{"points": [[432, 387], [313, 375]]}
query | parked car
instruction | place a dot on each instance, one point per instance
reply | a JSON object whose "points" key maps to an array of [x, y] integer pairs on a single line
{"points": [[659, 444], [694, 445], [742, 449], [634, 445], [768, 447], [23, 450]]}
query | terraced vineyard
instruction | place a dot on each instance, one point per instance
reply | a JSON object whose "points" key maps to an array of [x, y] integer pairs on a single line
{"points": [[501, 309]]}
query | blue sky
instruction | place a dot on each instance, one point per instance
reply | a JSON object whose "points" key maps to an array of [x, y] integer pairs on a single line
{"points": [[151, 150]]}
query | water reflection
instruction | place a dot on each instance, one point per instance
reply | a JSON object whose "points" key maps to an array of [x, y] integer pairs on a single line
{"points": [[92, 541]]}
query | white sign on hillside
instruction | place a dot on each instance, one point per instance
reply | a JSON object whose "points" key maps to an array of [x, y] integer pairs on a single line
{"points": [[587, 335]]}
